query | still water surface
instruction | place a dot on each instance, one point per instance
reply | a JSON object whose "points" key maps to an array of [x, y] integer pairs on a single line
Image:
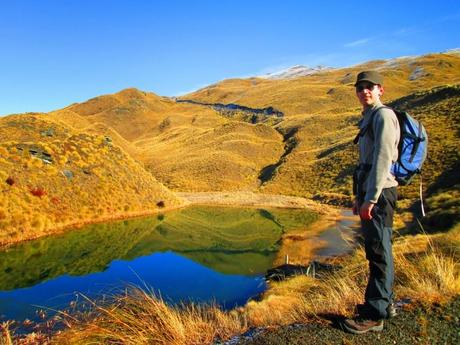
{"points": [[201, 254]]}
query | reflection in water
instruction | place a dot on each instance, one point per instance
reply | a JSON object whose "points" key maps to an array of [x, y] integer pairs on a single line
{"points": [[341, 237], [198, 253]]}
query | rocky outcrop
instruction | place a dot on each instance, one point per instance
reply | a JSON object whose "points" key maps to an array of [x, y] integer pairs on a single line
{"points": [[251, 115]]}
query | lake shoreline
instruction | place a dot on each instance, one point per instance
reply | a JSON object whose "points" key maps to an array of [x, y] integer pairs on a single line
{"points": [[226, 199], [263, 209], [298, 247]]}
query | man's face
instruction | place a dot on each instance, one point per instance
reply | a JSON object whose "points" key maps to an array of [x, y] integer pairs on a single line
{"points": [[368, 93]]}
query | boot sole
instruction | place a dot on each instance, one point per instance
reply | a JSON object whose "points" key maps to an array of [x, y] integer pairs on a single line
{"points": [[356, 331]]}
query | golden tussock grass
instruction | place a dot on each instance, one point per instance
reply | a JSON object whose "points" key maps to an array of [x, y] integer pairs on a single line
{"points": [[5, 334], [141, 318], [427, 270], [428, 267], [53, 177], [329, 91], [190, 147]]}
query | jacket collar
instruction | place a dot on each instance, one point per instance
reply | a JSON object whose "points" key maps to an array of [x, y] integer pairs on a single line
{"points": [[367, 114], [370, 110]]}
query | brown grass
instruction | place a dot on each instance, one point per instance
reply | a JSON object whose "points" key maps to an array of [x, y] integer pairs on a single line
{"points": [[428, 267], [141, 318], [189, 147], [427, 270], [67, 178], [5, 334]]}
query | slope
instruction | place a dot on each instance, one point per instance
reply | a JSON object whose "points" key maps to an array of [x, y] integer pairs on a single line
{"points": [[53, 177], [321, 164], [188, 147]]}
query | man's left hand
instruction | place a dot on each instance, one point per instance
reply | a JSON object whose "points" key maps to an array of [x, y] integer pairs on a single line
{"points": [[365, 210]]}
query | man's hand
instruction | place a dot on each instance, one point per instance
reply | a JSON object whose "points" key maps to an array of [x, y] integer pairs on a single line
{"points": [[365, 210]]}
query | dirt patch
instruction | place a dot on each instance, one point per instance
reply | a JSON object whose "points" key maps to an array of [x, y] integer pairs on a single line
{"points": [[250, 199]]}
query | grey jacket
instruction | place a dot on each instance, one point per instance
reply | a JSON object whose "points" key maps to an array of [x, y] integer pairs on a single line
{"points": [[380, 150]]}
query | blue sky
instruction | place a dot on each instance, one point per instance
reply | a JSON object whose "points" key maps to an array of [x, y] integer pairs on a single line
{"points": [[54, 53]]}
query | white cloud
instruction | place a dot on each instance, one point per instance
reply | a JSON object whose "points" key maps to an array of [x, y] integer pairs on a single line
{"points": [[357, 43]]}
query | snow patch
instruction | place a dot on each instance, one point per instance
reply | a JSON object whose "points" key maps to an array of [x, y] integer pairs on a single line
{"points": [[397, 62], [454, 51], [295, 72]]}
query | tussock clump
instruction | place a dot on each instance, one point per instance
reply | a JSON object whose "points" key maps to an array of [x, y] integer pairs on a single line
{"points": [[427, 267], [140, 317]]}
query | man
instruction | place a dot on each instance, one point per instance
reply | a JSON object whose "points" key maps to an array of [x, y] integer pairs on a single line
{"points": [[375, 190]]}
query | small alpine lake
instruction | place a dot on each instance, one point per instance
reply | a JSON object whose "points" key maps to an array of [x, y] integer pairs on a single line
{"points": [[199, 253]]}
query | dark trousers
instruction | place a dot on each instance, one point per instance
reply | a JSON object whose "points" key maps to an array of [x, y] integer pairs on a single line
{"points": [[377, 243]]}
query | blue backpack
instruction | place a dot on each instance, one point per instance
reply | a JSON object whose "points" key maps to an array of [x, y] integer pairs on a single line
{"points": [[412, 149]]}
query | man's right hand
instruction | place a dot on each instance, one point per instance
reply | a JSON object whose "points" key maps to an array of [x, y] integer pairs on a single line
{"points": [[365, 211]]}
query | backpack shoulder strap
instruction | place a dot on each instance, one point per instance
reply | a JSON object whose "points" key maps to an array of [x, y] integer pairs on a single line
{"points": [[363, 130]]}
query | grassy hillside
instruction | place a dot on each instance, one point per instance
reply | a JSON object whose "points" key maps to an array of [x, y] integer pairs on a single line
{"points": [[135, 114], [324, 157], [227, 157], [305, 152], [332, 91], [188, 147], [53, 176]]}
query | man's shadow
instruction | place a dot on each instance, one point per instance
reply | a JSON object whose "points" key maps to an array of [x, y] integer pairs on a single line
{"points": [[336, 320]]}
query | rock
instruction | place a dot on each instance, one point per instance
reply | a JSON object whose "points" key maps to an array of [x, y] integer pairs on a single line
{"points": [[107, 141], [37, 152], [48, 133], [68, 174], [315, 270], [287, 270], [347, 79], [46, 158], [418, 73]]}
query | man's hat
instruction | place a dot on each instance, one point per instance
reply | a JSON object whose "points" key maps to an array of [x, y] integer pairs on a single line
{"points": [[370, 76]]}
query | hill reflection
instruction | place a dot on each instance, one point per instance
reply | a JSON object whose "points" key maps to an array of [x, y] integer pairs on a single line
{"points": [[226, 240]]}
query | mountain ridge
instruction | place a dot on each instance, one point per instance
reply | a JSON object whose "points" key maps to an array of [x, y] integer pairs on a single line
{"points": [[198, 147]]}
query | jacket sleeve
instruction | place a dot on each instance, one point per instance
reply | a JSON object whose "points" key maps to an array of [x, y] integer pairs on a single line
{"points": [[385, 129]]}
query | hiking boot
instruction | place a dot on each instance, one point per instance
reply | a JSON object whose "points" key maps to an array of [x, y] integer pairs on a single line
{"points": [[360, 326]]}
